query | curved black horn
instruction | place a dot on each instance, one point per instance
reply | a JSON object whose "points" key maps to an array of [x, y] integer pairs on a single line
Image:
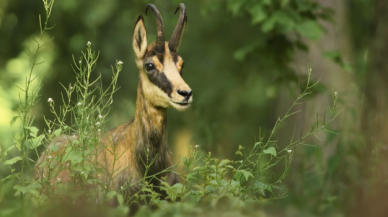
{"points": [[159, 45], [176, 36]]}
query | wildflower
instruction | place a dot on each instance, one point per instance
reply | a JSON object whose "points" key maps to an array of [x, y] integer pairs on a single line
{"points": [[111, 101], [49, 157], [148, 150], [120, 62], [59, 179], [99, 116], [98, 123], [79, 104], [121, 187], [49, 131], [289, 150], [89, 43], [335, 94], [196, 146], [50, 100], [80, 62]]}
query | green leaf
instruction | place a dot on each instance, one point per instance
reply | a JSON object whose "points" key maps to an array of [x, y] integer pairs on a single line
{"points": [[224, 162], [268, 24], [310, 29], [35, 142], [9, 177], [270, 150], [33, 131], [257, 13], [13, 120], [58, 132], [110, 195], [120, 198], [285, 22], [262, 186], [13, 160], [245, 173]]}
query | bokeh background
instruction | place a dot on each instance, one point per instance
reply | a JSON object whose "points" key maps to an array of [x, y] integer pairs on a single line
{"points": [[244, 61]]}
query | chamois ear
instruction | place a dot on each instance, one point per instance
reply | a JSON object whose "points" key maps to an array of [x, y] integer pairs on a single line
{"points": [[139, 39]]}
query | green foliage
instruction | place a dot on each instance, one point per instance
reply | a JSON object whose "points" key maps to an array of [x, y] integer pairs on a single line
{"points": [[208, 182]]}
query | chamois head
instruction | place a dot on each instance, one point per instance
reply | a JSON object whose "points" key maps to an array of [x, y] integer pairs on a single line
{"points": [[159, 64]]}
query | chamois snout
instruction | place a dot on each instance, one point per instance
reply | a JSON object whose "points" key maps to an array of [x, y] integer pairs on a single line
{"points": [[185, 93]]}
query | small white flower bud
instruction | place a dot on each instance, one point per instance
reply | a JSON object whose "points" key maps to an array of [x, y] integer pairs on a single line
{"points": [[49, 157], [99, 116], [98, 123], [50, 100], [49, 131], [196, 146], [289, 150], [335, 94], [89, 43], [59, 179], [120, 62], [80, 62], [79, 104]]}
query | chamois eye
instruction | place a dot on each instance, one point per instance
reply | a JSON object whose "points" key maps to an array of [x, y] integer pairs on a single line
{"points": [[149, 66]]}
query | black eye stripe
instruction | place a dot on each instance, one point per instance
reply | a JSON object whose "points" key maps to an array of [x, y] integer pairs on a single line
{"points": [[160, 80]]}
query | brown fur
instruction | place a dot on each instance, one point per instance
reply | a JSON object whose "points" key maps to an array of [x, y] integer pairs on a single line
{"points": [[146, 131]]}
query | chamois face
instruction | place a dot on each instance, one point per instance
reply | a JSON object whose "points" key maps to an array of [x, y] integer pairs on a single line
{"points": [[160, 72]]}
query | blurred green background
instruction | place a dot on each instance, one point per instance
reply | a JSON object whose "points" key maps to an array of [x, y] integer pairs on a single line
{"points": [[244, 61]]}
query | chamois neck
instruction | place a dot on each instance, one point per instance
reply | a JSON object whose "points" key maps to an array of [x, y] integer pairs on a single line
{"points": [[151, 134]]}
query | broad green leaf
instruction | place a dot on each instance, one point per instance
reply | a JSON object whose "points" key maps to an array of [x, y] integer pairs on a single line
{"points": [[270, 150], [33, 131], [58, 132], [35, 142], [257, 13], [309, 29], [268, 24], [54, 148], [224, 162], [120, 198], [245, 173], [110, 195], [13, 160]]}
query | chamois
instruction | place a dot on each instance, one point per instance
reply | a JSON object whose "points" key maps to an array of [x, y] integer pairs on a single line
{"points": [[160, 86]]}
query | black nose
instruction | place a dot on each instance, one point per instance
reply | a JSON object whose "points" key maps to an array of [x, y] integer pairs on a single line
{"points": [[185, 93]]}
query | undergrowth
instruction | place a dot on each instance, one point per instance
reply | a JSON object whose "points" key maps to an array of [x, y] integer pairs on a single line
{"points": [[246, 180]]}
